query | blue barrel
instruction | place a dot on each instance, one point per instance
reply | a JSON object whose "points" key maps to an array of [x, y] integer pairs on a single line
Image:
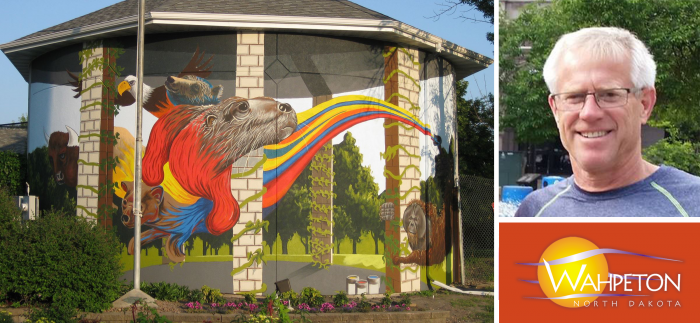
{"points": [[549, 180], [515, 194]]}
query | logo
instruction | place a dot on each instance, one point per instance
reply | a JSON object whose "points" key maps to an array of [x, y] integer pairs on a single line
{"points": [[573, 272]]}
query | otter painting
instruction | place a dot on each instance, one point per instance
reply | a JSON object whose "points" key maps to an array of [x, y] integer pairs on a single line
{"points": [[192, 90], [202, 142]]}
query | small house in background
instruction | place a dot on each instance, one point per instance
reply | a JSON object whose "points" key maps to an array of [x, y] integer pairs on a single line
{"points": [[273, 135], [13, 137]]}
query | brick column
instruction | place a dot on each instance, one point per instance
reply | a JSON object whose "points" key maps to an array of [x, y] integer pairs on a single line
{"points": [[90, 123], [405, 279], [322, 217], [250, 64], [409, 139], [247, 180]]}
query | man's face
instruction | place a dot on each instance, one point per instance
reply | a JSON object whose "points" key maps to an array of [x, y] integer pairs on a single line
{"points": [[600, 140]]}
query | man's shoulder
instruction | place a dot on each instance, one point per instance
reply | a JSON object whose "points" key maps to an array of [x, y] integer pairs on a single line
{"points": [[536, 200], [681, 188], [676, 177]]}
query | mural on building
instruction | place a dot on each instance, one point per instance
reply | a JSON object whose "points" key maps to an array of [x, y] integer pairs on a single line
{"points": [[426, 235], [303, 157], [63, 156], [175, 213], [189, 87], [54, 111], [201, 144]]}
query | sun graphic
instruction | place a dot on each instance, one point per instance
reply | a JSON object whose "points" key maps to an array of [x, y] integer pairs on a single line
{"points": [[596, 269]]}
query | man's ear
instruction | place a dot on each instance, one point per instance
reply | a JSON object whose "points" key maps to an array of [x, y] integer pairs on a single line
{"points": [[648, 100], [553, 107]]}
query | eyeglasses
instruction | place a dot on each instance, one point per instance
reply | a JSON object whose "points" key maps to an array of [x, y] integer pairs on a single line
{"points": [[609, 98]]}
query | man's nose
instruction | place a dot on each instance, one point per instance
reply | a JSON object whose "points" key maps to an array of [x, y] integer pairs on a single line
{"points": [[590, 109]]}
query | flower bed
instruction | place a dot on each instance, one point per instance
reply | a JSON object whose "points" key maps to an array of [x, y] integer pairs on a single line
{"points": [[243, 307]]}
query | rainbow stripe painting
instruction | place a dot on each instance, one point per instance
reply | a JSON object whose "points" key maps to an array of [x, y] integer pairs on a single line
{"points": [[317, 126]]}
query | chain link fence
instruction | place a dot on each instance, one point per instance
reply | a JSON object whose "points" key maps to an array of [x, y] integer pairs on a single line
{"points": [[476, 205]]}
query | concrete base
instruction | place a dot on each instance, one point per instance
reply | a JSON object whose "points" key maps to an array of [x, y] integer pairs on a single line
{"points": [[131, 297]]}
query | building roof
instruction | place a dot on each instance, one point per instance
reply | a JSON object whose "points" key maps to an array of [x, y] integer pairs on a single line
{"points": [[311, 8], [322, 17], [13, 139]]}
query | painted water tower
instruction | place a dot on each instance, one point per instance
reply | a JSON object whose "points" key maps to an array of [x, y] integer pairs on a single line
{"points": [[309, 140]]}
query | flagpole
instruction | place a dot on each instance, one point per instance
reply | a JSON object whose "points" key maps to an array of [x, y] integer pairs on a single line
{"points": [[139, 145], [136, 294]]}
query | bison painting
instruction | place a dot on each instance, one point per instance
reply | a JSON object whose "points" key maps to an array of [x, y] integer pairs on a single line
{"points": [[63, 156]]}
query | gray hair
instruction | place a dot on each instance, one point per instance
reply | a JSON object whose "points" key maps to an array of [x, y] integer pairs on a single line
{"points": [[604, 43]]}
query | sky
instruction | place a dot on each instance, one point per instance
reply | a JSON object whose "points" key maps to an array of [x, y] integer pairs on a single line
{"points": [[21, 18]]}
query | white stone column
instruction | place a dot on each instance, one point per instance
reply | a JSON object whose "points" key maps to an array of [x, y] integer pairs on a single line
{"points": [[408, 88], [90, 120], [250, 81]]}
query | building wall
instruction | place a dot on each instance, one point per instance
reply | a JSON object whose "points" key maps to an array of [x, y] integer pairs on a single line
{"points": [[55, 114], [242, 191]]}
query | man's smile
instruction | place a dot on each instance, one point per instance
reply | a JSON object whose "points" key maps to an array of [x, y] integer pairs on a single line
{"points": [[594, 134]]}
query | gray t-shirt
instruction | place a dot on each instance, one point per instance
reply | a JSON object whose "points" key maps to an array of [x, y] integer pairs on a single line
{"points": [[667, 192]]}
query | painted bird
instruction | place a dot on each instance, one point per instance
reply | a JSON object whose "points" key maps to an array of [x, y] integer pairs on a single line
{"points": [[157, 100]]}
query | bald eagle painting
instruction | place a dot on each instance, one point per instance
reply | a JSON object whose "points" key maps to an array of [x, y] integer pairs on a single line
{"points": [[190, 87]]}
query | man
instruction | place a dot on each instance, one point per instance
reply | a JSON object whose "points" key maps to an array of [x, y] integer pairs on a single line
{"points": [[602, 85]]}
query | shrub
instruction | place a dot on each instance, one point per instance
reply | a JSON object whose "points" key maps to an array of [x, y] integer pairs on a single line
{"points": [[257, 318], [292, 297], [166, 291], [59, 312], [151, 315], [405, 299], [63, 261], [311, 296], [173, 292], [13, 172], [249, 298], [679, 154], [340, 299], [364, 305], [5, 317], [196, 295], [386, 300], [212, 295]]}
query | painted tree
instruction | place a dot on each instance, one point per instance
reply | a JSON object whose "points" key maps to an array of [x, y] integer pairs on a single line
{"points": [[292, 214], [364, 206], [355, 189], [668, 30], [342, 223], [189, 245], [374, 224], [213, 243]]}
